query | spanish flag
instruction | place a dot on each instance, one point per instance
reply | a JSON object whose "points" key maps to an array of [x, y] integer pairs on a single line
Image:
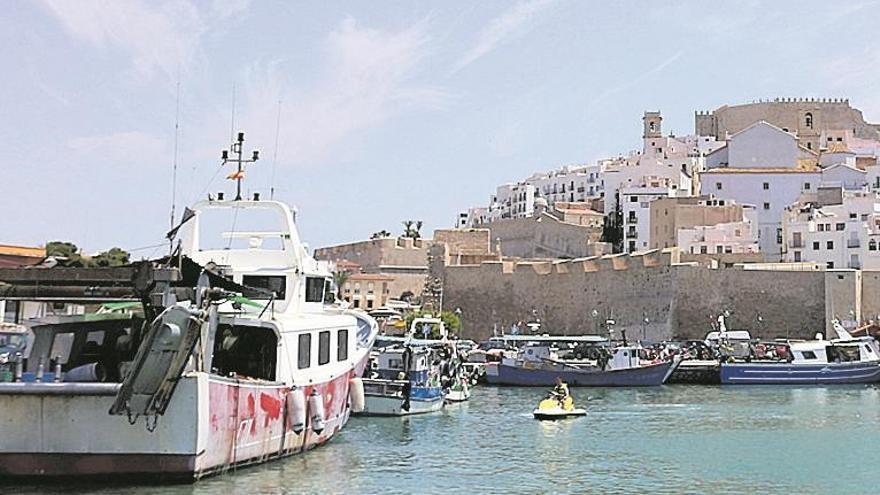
{"points": [[238, 174]]}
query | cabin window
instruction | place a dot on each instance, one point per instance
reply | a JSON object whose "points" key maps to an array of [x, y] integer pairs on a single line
{"points": [[324, 347], [342, 345], [62, 346], [247, 351], [329, 293], [304, 356], [314, 289], [277, 284], [10, 312], [809, 355]]}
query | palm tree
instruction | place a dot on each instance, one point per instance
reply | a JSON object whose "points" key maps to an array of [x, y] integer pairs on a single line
{"points": [[340, 278], [411, 228]]}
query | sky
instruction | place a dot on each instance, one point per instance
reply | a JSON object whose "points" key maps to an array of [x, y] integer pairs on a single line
{"points": [[383, 111]]}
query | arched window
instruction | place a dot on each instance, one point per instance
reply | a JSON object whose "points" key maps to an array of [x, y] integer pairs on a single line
{"points": [[808, 120], [651, 126]]}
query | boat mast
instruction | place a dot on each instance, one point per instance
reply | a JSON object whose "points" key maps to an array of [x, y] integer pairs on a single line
{"points": [[237, 175]]}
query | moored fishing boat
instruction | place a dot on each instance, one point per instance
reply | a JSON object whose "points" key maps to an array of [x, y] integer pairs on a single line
{"points": [[537, 364], [846, 359], [405, 381], [240, 356]]}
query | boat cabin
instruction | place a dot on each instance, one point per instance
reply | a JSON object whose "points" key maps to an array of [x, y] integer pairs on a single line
{"points": [[836, 351]]}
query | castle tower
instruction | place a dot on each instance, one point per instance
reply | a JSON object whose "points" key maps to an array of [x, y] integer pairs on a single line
{"points": [[652, 123]]}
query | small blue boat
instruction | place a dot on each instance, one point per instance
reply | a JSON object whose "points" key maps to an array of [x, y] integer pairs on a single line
{"points": [[536, 365], [405, 381], [816, 362]]}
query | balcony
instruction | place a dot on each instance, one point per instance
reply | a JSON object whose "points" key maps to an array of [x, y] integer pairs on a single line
{"points": [[632, 234], [796, 243], [853, 243], [632, 220]]}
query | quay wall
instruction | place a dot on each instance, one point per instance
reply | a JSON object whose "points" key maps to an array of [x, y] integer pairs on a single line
{"points": [[679, 300]]}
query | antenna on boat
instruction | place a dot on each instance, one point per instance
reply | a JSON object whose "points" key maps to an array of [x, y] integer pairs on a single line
{"points": [[275, 153], [238, 174], [232, 120], [174, 163]]}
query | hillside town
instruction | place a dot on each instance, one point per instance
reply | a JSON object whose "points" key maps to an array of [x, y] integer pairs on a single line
{"points": [[785, 187]]}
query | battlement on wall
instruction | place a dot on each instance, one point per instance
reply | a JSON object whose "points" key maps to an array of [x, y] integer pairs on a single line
{"points": [[654, 258]]}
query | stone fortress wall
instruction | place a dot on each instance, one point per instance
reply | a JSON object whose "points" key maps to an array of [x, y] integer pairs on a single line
{"points": [[679, 300], [825, 114]]}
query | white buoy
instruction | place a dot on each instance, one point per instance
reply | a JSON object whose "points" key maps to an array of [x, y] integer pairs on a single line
{"points": [[356, 394], [296, 404], [316, 408]]}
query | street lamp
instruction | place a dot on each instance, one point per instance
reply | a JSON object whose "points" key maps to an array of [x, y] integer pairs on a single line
{"points": [[645, 322], [460, 324], [595, 315]]}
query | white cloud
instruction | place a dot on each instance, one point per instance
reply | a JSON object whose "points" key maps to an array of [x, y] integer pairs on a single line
{"points": [[369, 75], [159, 38], [509, 24]]}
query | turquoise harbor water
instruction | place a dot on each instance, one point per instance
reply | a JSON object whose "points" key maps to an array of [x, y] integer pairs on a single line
{"points": [[672, 439]]}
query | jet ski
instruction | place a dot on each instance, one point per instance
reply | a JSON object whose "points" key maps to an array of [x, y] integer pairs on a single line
{"points": [[557, 406]]}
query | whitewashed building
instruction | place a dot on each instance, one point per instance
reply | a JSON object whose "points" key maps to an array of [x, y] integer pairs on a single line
{"points": [[764, 166], [842, 235], [636, 210], [723, 238]]}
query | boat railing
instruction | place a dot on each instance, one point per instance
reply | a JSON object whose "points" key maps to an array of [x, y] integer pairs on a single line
{"points": [[384, 388]]}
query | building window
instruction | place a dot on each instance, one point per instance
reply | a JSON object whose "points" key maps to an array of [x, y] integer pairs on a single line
{"points": [[815, 245], [766, 206], [840, 226], [633, 199], [809, 146], [766, 186], [324, 347], [829, 244], [806, 186], [872, 245], [304, 356], [829, 265], [704, 249], [719, 249], [369, 304], [797, 255], [852, 216], [718, 186], [632, 246], [808, 120]]}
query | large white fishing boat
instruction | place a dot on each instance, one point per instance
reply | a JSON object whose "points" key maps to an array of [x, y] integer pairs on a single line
{"points": [[210, 377]]}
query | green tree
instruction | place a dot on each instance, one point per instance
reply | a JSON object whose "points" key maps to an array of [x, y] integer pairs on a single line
{"points": [[380, 235], [612, 228], [340, 278], [412, 228], [114, 257], [68, 254], [450, 320]]}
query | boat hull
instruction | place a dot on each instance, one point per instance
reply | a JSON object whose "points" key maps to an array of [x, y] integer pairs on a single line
{"points": [[554, 414], [799, 374], [644, 376], [386, 398], [211, 425]]}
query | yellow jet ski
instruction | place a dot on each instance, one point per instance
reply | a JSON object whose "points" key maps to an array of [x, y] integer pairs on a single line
{"points": [[556, 406]]}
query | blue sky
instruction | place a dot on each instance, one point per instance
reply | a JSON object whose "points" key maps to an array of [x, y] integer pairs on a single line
{"points": [[389, 110]]}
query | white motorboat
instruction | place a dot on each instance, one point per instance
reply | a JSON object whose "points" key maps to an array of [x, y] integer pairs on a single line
{"points": [[210, 378]]}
